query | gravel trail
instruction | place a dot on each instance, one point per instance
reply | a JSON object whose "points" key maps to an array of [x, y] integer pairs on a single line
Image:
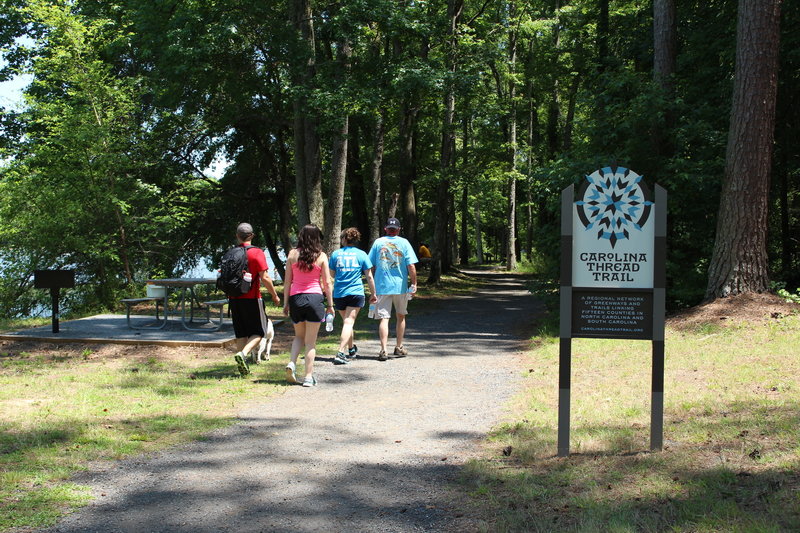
{"points": [[375, 446]]}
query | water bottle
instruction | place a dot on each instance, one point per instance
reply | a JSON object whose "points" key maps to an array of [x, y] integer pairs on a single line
{"points": [[329, 322], [371, 313], [411, 289]]}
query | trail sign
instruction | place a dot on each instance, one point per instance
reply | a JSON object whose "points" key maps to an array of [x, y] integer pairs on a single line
{"points": [[613, 253]]}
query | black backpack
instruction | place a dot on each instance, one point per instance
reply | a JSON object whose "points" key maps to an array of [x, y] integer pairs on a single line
{"points": [[231, 272]]}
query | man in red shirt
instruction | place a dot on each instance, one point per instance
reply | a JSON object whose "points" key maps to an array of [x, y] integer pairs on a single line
{"points": [[247, 310]]}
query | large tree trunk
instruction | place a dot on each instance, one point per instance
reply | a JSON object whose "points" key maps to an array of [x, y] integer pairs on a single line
{"points": [[739, 261], [355, 182], [441, 260], [665, 39], [313, 174], [333, 212], [308, 175], [375, 174], [532, 126], [569, 120], [464, 248], [511, 236], [478, 235], [453, 232], [408, 169], [300, 165], [282, 188]]}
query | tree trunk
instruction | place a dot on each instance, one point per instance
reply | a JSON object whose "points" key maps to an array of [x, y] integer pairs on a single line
{"points": [[269, 243], [393, 205], [739, 261], [442, 259], [478, 236], [440, 250], [333, 214], [465, 145], [554, 106], [665, 39], [602, 34], [313, 174], [408, 169], [308, 176], [453, 232], [355, 182], [569, 120], [284, 204], [464, 248], [300, 166], [528, 184], [375, 174], [511, 255]]}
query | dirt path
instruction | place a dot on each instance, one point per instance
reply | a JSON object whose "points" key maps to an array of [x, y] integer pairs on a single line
{"points": [[374, 447]]}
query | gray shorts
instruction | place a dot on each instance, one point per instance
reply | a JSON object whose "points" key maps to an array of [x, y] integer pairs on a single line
{"points": [[383, 309]]}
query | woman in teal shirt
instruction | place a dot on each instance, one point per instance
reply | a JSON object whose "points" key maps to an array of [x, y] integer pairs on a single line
{"points": [[347, 264]]}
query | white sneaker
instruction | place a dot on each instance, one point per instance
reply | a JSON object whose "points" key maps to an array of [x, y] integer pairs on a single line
{"points": [[310, 381], [290, 377]]}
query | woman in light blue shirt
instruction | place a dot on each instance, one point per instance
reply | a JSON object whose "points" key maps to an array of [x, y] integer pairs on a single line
{"points": [[347, 264]]}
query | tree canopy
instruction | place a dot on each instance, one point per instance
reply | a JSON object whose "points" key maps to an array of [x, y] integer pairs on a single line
{"points": [[465, 118]]}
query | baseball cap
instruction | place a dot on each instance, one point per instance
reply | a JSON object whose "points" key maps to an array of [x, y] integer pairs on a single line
{"points": [[244, 230], [393, 223]]}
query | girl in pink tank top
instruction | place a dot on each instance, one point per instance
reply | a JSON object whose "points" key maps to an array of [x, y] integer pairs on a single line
{"points": [[307, 281]]}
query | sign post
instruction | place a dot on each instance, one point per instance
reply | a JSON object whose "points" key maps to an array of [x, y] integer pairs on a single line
{"points": [[613, 277], [54, 280]]}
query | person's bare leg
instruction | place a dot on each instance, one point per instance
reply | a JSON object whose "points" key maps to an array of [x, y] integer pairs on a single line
{"points": [[400, 329], [312, 328], [383, 332], [252, 342], [299, 340], [348, 321]]}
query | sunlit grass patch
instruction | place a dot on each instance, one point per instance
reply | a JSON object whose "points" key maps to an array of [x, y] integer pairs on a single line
{"points": [[59, 412], [731, 460], [14, 324]]}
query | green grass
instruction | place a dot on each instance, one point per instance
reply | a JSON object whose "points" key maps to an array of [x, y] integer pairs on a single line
{"points": [[15, 324], [731, 460], [61, 410]]}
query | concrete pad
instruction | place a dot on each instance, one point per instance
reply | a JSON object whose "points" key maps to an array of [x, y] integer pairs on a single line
{"points": [[101, 329]]}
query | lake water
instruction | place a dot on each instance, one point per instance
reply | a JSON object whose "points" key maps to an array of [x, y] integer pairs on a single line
{"points": [[200, 271]]}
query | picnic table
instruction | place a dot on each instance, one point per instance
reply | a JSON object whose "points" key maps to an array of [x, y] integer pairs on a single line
{"points": [[188, 296], [188, 303]]}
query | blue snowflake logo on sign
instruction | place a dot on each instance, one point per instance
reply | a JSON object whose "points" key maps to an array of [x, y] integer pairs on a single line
{"points": [[614, 201]]}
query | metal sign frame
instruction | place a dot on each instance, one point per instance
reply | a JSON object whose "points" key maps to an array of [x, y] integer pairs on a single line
{"points": [[643, 309], [54, 280]]}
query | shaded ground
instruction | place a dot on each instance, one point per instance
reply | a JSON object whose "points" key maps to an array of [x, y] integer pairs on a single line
{"points": [[374, 447]]}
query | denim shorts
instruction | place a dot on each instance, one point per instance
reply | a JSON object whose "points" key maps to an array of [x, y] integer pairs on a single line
{"points": [[351, 300]]}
